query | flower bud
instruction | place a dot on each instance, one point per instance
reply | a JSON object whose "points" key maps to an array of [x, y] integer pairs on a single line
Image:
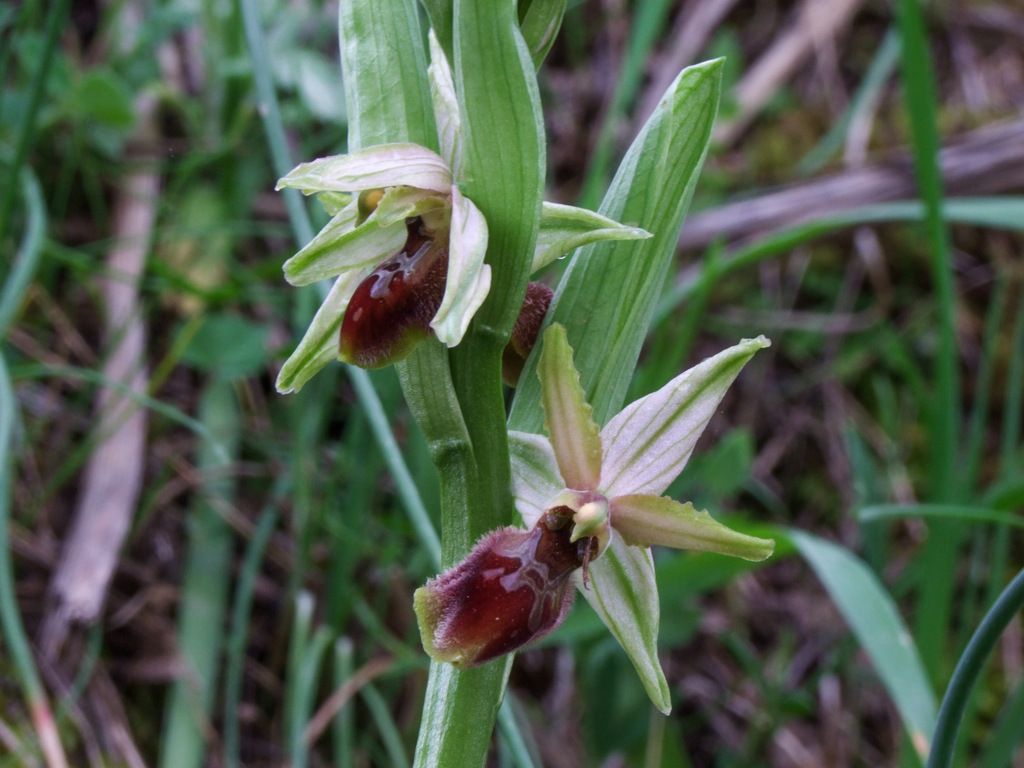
{"points": [[512, 588], [391, 310], [524, 334]]}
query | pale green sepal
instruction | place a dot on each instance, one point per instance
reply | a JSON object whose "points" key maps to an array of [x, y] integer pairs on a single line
{"points": [[625, 596], [469, 278], [565, 227], [643, 520], [339, 247], [383, 165], [535, 483], [319, 345], [567, 416], [446, 106], [649, 442], [334, 202], [401, 203]]}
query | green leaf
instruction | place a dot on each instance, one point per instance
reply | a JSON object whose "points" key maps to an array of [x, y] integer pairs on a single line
{"points": [[540, 24], [872, 615], [104, 97], [607, 297], [229, 346], [503, 146], [385, 73]]}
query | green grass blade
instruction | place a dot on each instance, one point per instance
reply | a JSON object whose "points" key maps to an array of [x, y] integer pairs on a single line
{"points": [[1009, 440], [28, 252], [239, 632], [995, 212], [343, 727], [43, 371], [13, 630], [883, 64], [919, 90], [26, 131], [874, 620], [607, 296], [204, 597], [960, 512], [386, 727], [407, 490], [1009, 604]]}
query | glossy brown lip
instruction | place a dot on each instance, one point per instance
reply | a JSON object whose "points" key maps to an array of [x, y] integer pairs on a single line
{"points": [[513, 588], [391, 310]]}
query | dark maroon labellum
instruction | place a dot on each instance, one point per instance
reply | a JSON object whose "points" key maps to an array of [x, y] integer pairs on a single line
{"points": [[524, 334], [512, 588], [391, 310]]}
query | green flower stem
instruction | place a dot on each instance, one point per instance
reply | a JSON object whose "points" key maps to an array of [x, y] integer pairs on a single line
{"points": [[503, 176]]}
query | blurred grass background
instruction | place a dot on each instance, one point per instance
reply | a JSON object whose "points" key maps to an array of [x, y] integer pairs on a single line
{"points": [[207, 573]]}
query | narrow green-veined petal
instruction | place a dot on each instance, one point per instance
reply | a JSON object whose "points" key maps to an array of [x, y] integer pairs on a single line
{"points": [[625, 596], [469, 278], [341, 246], [565, 227], [319, 346], [649, 442], [643, 520], [446, 106], [567, 416], [384, 165], [535, 478]]}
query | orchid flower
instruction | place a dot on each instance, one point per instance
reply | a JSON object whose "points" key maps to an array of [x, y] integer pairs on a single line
{"points": [[405, 247], [597, 494]]}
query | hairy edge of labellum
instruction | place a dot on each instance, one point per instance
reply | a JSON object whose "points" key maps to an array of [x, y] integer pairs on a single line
{"points": [[512, 588], [391, 310], [524, 334]]}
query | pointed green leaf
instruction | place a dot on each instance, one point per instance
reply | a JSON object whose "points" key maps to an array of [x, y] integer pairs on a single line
{"points": [[540, 26], [644, 520], [565, 227], [625, 596], [874, 619], [503, 146], [649, 442], [608, 294], [574, 435], [384, 70]]}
